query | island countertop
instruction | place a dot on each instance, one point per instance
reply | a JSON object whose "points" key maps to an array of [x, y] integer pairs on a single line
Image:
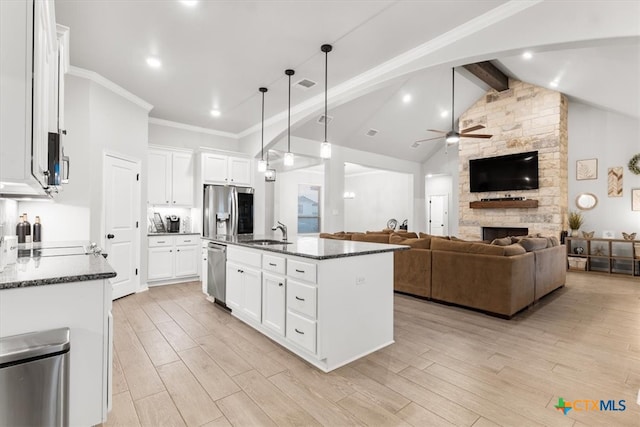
{"points": [[309, 247], [35, 268]]}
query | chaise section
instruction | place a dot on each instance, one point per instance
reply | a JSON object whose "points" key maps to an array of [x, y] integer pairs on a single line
{"points": [[551, 270], [412, 272]]}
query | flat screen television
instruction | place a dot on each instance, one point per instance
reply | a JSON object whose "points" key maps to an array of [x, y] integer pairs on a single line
{"points": [[511, 172]]}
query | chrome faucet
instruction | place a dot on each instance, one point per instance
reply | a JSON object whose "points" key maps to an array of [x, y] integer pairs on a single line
{"points": [[283, 228]]}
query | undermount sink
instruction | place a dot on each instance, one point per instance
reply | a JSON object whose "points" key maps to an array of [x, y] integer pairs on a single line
{"points": [[265, 242]]}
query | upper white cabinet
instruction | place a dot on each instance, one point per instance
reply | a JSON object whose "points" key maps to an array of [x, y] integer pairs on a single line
{"points": [[170, 177], [29, 85], [222, 169]]}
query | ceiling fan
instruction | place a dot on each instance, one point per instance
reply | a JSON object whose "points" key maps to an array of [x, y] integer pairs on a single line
{"points": [[452, 136]]}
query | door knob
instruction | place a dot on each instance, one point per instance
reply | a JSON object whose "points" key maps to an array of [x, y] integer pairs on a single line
{"points": [[110, 236]]}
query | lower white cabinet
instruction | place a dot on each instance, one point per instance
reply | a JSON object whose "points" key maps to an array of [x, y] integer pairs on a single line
{"points": [[84, 308], [244, 290], [173, 257], [273, 302]]}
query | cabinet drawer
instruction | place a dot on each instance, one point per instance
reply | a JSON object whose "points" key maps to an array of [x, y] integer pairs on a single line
{"points": [[157, 241], [302, 270], [301, 298], [244, 256], [273, 263], [301, 331], [187, 240]]}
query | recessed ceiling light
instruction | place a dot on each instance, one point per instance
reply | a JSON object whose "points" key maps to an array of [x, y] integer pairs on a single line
{"points": [[429, 175], [153, 62], [189, 3], [215, 113], [554, 83], [406, 98], [445, 113], [527, 55]]}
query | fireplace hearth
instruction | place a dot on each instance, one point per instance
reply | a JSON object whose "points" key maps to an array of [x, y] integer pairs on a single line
{"points": [[490, 233]]}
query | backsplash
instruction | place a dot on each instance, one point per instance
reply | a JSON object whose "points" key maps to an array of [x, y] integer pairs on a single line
{"points": [[8, 216]]}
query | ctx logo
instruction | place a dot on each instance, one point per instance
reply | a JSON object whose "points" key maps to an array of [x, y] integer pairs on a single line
{"points": [[590, 405]]}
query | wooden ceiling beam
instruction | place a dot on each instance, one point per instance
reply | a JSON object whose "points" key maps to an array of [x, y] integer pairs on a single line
{"points": [[488, 73]]}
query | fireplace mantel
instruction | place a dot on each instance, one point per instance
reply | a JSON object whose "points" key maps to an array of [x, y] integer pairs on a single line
{"points": [[504, 204]]}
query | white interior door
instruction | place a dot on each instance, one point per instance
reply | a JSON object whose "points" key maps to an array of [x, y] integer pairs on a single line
{"points": [[122, 219], [438, 215]]}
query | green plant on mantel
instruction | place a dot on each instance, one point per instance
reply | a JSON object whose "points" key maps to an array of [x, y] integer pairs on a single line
{"points": [[575, 220]]}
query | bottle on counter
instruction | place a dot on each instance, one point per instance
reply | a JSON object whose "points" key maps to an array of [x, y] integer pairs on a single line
{"points": [[27, 229], [37, 230], [20, 232]]}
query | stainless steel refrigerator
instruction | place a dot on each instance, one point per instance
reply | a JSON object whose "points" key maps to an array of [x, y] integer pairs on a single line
{"points": [[227, 210]]}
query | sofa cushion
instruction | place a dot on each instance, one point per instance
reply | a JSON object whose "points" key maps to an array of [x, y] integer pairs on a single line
{"points": [[467, 247], [335, 236], [371, 237], [397, 239], [514, 249], [505, 241], [531, 244], [406, 234], [385, 231], [421, 234]]}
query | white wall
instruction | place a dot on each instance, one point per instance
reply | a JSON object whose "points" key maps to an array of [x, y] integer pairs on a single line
{"points": [[286, 197], [612, 139], [444, 162], [8, 217], [379, 196]]}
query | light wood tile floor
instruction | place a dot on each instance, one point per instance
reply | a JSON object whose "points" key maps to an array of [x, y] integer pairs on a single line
{"points": [[180, 360]]}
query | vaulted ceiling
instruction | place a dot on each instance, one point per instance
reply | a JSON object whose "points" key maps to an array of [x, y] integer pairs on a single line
{"points": [[215, 55]]}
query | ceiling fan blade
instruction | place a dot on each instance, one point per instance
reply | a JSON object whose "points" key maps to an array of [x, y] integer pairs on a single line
{"points": [[471, 135], [429, 139], [472, 128], [436, 130]]}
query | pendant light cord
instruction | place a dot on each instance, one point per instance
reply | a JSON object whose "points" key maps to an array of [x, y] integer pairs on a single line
{"points": [[289, 119], [326, 73], [262, 137], [453, 91]]}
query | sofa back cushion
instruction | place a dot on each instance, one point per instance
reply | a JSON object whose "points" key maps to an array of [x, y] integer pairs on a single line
{"points": [[466, 247], [398, 239], [531, 244], [371, 237], [406, 234], [505, 241], [383, 231]]}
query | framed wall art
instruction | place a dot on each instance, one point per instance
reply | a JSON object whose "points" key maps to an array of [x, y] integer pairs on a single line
{"points": [[614, 182], [586, 169], [635, 199]]}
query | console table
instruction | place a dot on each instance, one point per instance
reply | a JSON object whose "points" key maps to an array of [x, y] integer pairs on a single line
{"points": [[612, 256]]}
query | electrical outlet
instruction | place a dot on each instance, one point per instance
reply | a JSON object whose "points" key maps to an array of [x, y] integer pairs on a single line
{"points": [[360, 280]]}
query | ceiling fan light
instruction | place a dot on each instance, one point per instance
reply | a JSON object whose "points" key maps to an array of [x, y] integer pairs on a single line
{"points": [[452, 138], [262, 166], [288, 158], [325, 150]]}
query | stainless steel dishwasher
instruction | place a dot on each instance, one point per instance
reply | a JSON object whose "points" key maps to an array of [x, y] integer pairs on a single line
{"points": [[217, 272], [34, 379]]}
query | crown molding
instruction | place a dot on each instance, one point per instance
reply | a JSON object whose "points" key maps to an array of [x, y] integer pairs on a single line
{"points": [[184, 126], [108, 84]]}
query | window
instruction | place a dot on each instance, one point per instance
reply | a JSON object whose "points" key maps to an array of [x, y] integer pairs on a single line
{"points": [[308, 208]]}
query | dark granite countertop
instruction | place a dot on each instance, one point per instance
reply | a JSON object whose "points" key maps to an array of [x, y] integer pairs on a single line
{"points": [[35, 268], [172, 234], [310, 247]]}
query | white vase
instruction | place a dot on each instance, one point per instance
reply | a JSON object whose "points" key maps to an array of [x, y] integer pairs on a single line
{"points": [[575, 233]]}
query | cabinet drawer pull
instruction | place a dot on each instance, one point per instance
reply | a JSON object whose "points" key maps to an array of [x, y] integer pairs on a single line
{"points": [[160, 241], [299, 299], [273, 265], [300, 332], [187, 241], [240, 271], [299, 271]]}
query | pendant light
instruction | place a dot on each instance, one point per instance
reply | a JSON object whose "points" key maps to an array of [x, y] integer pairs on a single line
{"points": [[288, 156], [262, 165], [269, 174], [325, 147]]}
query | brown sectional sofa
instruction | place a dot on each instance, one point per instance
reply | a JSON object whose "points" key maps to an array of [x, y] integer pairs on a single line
{"points": [[500, 278]]}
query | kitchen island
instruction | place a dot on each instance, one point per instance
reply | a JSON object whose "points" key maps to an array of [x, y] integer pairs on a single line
{"points": [[64, 285], [328, 301]]}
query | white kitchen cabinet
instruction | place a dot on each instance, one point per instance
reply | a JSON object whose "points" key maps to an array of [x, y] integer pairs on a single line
{"points": [[222, 169], [273, 302], [170, 177], [244, 290], [28, 60], [172, 258], [84, 308], [234, 286]]}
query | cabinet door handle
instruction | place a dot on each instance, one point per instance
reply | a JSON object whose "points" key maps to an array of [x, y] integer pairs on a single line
{"points": [[187, 241], [273, 265], [167, 201], [299, 299], [299, 271], [300, 332], [240, 271], [178, 250], [170, 250], [160, 241]]}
